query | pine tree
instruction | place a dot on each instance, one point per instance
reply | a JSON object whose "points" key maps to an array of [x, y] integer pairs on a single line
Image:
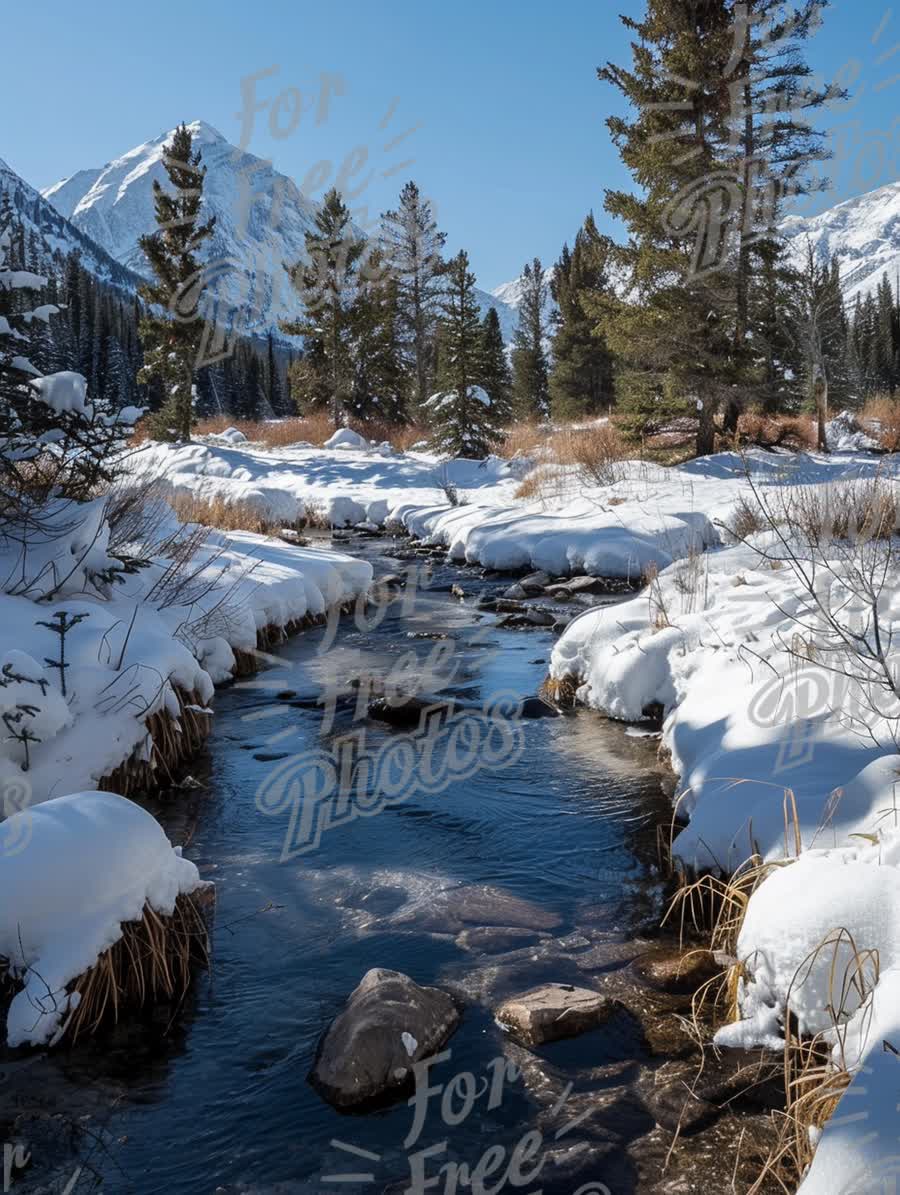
{"points": [[531, 394], [412, 247], [675, 334], [381, 379], [464, 418], [494, 372], [172, 337], [45, 418], [328, 287], [581, 380], [770, 100]]}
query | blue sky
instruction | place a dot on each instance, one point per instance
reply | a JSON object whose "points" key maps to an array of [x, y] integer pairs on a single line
{"points": [[512, 143]]}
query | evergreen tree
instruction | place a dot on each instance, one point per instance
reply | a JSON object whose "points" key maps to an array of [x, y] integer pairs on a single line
{"points": [[531, 393], [464, 419], [381, 379], [494, 373], [581, 380], [173, 337], [770, 99], [412, 247], [676, 334], [49, 419], [328, 287]]}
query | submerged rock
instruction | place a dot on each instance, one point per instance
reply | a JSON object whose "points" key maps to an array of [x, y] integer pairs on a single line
{"points": [[388, 1023], [497, 939], [537, 707], [454, 909], [553, 1011], [669, 969]]}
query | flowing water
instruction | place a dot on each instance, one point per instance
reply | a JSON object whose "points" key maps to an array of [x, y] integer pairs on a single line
{"points": [[558, 842]]}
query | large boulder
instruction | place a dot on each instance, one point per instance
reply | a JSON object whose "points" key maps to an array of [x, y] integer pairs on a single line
{"points": [[388, 1023], [553, 1011]]}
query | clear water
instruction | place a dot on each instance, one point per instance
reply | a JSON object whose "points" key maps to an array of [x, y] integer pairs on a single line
{"points": [[216, 1097]]}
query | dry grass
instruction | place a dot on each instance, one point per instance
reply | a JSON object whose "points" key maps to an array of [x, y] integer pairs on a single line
{"points": [[313, 429], [527, 439], [813, 1081], [226, 516], [595, 452], [589, 455], [153, 961], [880, 417], [796, 432]]}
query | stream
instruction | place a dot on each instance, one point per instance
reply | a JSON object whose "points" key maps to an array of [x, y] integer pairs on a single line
{"points": [[543, 867]]}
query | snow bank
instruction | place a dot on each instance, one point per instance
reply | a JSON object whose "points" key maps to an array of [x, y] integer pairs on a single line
{"points": [[132, 644], [88, 862], [283, 483], [844, 434], [345, 437], [778, 758]]}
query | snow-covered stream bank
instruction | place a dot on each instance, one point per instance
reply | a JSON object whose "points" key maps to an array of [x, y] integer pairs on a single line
{"points": [[542, 870], [783, 755]]}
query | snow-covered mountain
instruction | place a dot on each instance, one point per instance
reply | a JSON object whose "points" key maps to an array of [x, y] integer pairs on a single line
{"points": [[510, 295], [864, 232], [261, 218], [57, 236]]}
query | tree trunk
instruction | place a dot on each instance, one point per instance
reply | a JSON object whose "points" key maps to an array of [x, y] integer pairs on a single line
{"points": [[820, 393], [706, 431]]}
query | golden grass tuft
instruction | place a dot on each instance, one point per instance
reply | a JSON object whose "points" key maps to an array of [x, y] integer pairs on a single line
{"points": [[226, 516], [153, 961], [880, 418]]}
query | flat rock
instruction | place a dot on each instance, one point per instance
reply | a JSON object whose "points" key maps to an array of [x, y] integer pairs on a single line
{"points": [[553, 1011], [388, 1023], [587, 585]]}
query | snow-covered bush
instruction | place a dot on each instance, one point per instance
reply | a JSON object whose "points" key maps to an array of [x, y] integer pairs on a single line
{"points": [[52, 438]]}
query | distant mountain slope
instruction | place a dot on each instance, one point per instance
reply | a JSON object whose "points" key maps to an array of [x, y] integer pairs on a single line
{"points": [[261, 219], [864, 232], [58, 236]]}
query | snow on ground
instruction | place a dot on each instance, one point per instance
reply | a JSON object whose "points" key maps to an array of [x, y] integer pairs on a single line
{"points": [[132, 642], [649, 517], [349, 481], [784, 758], [82, 865]]}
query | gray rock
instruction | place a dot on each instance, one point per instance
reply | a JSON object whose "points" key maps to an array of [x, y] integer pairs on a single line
{"points": [[540, 618], [516, 592], [388, 1023], [535, 582], [553, 1011], [587, 585]]}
